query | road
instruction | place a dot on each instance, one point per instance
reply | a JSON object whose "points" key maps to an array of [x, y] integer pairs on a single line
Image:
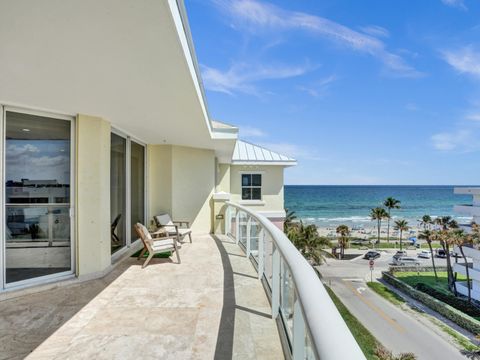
{"points": [[396, 329]]}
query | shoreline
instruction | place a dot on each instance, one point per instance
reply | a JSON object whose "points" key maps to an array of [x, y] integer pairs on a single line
{"points": [[369, 231]]}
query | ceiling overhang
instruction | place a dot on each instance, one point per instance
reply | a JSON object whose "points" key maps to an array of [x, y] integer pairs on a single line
{"points": [[130, 62]]}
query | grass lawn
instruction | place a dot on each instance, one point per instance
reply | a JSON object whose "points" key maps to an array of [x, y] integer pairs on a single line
{"points": [[367, 342], [386, 293], [428, 278]]}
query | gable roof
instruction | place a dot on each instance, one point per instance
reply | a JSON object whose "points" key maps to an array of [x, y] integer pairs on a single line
{"points": [[246, 153]]}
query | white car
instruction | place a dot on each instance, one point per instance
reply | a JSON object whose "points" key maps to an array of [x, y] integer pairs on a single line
{"points": [[425, 254], [406, 261]]}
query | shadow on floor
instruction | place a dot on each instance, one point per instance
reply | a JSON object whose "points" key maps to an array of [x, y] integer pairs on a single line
{"points": [[224, 347]]}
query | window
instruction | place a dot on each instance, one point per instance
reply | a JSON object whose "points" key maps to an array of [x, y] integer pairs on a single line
{"points": [[251, 187], [36, 240]]}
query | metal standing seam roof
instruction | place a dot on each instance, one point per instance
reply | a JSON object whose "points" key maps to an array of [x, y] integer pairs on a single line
{"points": [[245, 152]]}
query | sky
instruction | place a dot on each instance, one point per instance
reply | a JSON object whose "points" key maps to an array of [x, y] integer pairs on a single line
{"points": [[38, 160], [359, 92]]}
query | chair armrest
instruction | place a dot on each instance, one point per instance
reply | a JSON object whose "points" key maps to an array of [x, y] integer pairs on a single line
{"points": [[159, 233], [187, 223]]}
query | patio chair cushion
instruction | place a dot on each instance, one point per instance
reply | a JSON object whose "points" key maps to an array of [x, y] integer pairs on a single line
{"points": [[163, 220], [166, 244]]}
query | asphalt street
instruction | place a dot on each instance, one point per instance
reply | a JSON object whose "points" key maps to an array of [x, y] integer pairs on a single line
{"points": [[396, 329]]}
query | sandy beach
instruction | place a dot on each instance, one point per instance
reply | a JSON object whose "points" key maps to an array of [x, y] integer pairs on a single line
{"points": [[368, 231]]}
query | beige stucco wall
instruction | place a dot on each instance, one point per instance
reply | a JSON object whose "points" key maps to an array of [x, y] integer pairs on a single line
{"points": [[181, 182], [92, 200], [159, 181], [193, 180], [223, 178], [272, 186]]}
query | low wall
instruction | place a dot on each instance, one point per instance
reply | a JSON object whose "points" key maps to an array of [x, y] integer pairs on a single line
{"points": [[394, 269], [459, 318]]}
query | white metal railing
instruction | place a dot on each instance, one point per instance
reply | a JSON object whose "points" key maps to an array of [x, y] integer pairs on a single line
{"points": [[313, 326]]}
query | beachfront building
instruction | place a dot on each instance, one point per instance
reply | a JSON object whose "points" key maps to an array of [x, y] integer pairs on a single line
{"points": [[473, 211], [104, 123], [470, 210]]}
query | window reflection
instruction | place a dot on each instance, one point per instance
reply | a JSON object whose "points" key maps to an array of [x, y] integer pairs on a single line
{"points": [[37, 188]]}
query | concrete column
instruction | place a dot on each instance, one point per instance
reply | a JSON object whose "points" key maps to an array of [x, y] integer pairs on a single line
{"points": [[92, 200]]}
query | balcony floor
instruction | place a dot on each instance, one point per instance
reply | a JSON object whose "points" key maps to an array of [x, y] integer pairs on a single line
{"points": [[210, 306]]}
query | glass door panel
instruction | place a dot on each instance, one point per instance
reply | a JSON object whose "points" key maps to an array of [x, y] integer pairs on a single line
{"points": [[37, 196], [118, 186], [137, 185]]}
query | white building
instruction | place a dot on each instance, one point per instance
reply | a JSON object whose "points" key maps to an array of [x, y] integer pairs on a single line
{"points": [[472, 210]]}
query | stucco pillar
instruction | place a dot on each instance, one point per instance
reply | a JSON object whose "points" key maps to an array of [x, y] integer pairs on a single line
{"points": [[93, 252]]}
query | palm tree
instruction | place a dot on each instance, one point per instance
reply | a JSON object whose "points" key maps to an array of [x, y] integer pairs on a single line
{"points": [[460, 239], [401, 225], [378, 214], [429, 236], [447, 223], [289, 220], [390, 203], [344, 232], [426, 222], [306, 239]]}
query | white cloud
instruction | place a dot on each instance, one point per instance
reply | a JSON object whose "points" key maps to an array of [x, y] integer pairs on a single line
{"points": [[250, 131], [16, 151], [458, 140], [465, 60], [375, 30], [319, 88], [473, 117], [257, 16], [455, 3], [242, 77]]}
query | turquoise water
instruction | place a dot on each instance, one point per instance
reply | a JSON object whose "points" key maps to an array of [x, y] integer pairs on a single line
{"points": [[350, 205]]}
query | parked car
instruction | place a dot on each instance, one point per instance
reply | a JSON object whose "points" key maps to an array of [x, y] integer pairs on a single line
{"points": [[400, 253], [406, 261], [371, 255], [440, 253], [425, 254]]}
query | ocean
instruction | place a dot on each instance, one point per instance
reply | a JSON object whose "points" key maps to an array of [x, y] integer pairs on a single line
{"points": [[350, 205]]}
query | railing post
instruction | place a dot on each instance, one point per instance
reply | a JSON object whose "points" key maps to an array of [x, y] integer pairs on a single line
{"points": [[237, 226], [261, 266], [249, 237], [275, 282], [298, 332]]}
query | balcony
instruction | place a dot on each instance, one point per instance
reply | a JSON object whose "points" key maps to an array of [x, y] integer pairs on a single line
{"points": [[468, 210], [467, 190], [242, 295]]}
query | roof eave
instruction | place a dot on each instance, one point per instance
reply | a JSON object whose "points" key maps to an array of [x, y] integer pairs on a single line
{"points": [[265, 163]]}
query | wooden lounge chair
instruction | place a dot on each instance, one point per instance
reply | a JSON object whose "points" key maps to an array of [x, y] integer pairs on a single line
{"points": [[164, 222], [155, 245], [113, 227]]}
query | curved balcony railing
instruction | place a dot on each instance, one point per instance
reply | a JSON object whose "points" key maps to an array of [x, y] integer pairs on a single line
{"points": [[312, 325]]}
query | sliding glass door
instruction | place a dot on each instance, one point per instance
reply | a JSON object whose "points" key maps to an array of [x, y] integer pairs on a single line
{"points": [[127, 190], [118, 188], [36, 239]]}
